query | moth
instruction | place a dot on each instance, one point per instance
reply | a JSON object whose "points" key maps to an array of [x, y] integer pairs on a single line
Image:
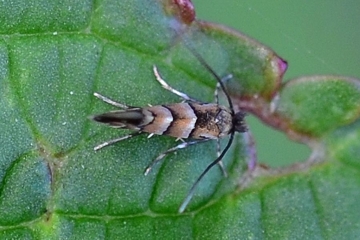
{"points": [[191, 121]]}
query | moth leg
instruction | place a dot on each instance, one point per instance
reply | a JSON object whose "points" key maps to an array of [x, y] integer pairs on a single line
{"points": [[112, 141], [220, 163], [111, 102], [207, 169], [171, 150], [218, 87], [169, 88]]}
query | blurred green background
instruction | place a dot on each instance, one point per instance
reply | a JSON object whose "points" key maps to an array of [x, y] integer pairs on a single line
{"points": [[315, 37]]}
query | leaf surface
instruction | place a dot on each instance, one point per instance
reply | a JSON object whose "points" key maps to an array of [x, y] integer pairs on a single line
{"points": [[53, 185]]}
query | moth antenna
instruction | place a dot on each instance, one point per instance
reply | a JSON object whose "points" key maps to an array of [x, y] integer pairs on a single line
{"points": [[208, 67], [207, 169]]}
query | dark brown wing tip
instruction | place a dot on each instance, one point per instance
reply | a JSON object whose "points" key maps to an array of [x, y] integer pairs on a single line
{"points": [[120, 118]]}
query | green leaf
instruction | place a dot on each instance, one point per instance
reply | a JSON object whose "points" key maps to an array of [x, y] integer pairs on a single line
{"points": [[53, 185], [303, 101]]}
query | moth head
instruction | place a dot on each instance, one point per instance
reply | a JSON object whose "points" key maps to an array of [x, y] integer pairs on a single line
{"points": [[239, 122]]}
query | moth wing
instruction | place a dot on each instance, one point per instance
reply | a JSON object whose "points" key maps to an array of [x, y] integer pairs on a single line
{"points": [[130, 118]]}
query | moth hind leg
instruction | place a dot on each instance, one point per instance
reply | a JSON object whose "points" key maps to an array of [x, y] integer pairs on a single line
{"points": [[190, 194], [165, 85], [111, 102], [116, 140], [171, 150]]}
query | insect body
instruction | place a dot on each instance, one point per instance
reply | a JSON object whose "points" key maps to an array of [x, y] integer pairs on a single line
{"points": [[179, 120], [190, 119]]}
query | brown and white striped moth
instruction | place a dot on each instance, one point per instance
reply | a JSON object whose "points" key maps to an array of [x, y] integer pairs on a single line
{"points": [[191, 121]]}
